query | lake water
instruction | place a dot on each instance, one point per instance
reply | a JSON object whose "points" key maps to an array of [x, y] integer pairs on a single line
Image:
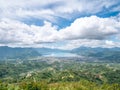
{"points": [[61, 55]]}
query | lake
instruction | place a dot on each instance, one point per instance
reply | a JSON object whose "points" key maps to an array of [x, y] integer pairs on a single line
{"points": [[61, 54]]}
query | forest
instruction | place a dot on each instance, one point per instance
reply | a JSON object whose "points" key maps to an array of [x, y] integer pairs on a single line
{"points": [[58, 74]]}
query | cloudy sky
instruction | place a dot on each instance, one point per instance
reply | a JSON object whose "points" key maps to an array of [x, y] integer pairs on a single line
{"points": [[63, 24]]}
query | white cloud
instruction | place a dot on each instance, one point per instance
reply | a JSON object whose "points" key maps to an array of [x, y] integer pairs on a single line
{"points": [[17, 32], [91, 28], [87, 31], [49, 9], [89, 43]]}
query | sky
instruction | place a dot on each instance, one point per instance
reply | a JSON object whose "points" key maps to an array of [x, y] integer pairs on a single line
{"points": [[61, 24]]}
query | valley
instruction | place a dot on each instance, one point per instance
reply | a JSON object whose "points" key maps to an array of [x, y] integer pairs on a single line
{"points": [[50, 69], [60, 73]]}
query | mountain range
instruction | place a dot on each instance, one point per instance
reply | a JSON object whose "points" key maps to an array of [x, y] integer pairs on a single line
{"points": [[8, 52], [112, 54]]}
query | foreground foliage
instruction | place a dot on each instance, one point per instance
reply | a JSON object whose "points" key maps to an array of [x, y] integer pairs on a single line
{"points": [[81, 85], [60, 74]]}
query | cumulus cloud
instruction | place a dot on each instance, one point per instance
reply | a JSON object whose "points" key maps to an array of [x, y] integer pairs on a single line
{"points": [[91, 28], [17, 32], [89, 43], [87, 28]]}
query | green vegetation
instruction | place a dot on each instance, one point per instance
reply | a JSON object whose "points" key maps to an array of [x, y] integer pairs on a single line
{"points": [[58, 74]]}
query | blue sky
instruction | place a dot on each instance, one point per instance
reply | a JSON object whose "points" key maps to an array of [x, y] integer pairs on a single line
{"points": [[62, 24]]}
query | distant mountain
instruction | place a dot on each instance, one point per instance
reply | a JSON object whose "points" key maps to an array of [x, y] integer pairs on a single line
{"points": [[13, 53], [111, 54], [8, 52], [47, 51], [105, 54]]}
